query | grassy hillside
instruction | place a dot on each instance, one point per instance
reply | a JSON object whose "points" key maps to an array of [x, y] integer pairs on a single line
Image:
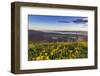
{"points": [[57, 50]]}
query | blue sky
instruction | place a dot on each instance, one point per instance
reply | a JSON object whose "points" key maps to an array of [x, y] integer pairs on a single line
{"points": [[57, 23]]}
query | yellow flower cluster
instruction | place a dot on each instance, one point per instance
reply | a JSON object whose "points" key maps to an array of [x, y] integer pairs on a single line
{"points": [[57, 50]]}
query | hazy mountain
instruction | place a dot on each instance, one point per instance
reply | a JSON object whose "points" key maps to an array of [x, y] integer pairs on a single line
{"points": [[51, 36]]}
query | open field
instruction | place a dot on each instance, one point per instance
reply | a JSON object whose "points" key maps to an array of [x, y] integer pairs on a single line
{"points": [[57, 50]]}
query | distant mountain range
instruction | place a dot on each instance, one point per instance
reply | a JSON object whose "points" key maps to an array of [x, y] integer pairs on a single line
{"points": [[51, 36]]}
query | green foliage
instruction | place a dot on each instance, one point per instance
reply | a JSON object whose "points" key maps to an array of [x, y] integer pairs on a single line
{"points": [[57, 50]]}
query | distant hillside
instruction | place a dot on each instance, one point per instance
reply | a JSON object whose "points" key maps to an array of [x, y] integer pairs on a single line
{"points": [[51, 36]]}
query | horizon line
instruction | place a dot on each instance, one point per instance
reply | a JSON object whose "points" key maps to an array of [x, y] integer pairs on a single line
{"points": [[58, 30]]}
